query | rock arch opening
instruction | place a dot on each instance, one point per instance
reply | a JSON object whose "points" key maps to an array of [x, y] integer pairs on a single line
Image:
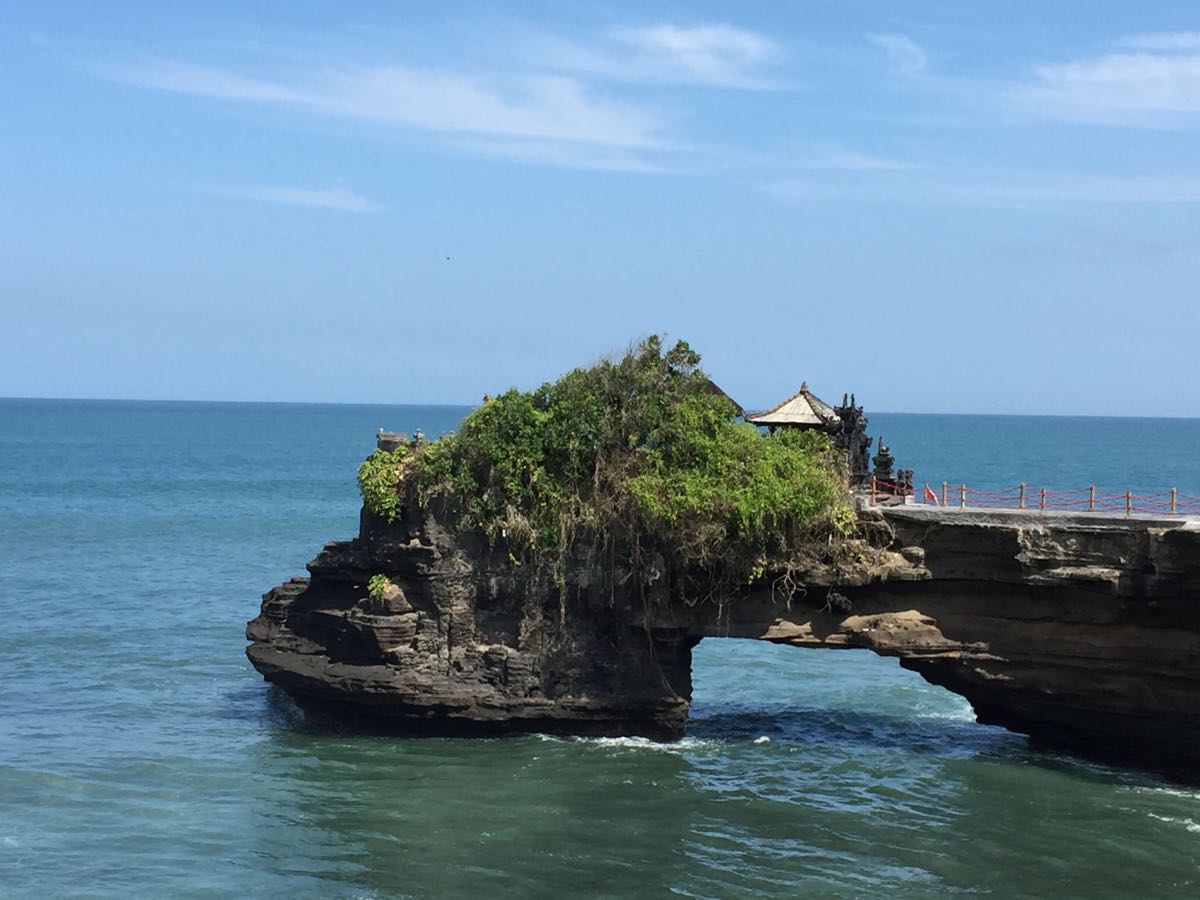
{"points": [[754, 689]]}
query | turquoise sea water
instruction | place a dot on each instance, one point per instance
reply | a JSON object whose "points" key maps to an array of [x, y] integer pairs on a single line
{"points": [[141, 755]]}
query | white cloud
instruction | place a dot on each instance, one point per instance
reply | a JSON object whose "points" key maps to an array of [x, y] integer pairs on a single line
{"points": [[905, 55], [1136, 88], [720, 56], [546, 113], [537, 108], [339, 199], [717, 55]]}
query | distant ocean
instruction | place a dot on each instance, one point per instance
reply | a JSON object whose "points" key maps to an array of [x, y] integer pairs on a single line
{"points": [[141, 755]]}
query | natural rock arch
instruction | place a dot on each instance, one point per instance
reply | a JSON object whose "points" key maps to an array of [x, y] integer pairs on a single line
{"points": [[1082, 633]]}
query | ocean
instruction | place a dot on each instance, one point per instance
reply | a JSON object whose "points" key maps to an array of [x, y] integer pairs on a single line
{"points": [[141, 755]]}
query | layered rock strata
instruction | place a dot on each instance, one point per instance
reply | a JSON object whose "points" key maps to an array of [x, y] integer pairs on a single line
{"points": [[1080, 631], [464, 643]]}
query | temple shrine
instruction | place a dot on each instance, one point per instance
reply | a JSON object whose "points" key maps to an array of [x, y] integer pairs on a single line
{"points": [[846, 426]]}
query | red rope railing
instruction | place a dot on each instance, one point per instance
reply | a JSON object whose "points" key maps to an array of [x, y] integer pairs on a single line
{"points": [[1089, 499]]}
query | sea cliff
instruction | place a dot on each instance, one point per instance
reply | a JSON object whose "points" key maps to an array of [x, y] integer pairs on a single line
{"points": [[1082, 632]]}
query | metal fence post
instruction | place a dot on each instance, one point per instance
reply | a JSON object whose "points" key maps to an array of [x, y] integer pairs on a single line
{"points": [[945, 487], [1174, 498], [962, 496], [1021, 497], [1042, 501], [1092, 498], [1129, 503]]}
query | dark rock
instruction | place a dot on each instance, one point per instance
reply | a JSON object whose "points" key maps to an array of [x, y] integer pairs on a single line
{"points": [[1080, 632]]}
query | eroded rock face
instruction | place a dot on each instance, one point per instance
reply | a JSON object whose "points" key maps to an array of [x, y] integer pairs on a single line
{"points": [[1083, 633], [462, 645], [1092, 630]]}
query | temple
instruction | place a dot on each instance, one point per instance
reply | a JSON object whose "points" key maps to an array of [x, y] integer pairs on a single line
{"points": [[846, 425]]}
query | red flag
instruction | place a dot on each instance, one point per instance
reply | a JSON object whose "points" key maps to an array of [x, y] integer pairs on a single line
{"points": [[930, 495]]}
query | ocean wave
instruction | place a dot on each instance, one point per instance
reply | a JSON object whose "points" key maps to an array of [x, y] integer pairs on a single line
{"points": [[1189, 824], [1185, 793], [682, 745], [965, 714]]}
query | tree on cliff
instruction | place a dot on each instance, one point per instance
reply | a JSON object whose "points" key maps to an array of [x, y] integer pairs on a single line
{"points": [[633, 465]]}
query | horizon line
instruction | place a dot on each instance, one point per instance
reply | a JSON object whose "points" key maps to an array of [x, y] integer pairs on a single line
{"points": [[1032, 415]]}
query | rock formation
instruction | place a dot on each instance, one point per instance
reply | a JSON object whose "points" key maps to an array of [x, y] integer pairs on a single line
{"points": [[1080, 631], [464, 643]]}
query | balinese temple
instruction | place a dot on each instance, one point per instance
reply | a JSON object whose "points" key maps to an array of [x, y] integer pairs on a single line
{"points": [[847, 427], [803, 409]]}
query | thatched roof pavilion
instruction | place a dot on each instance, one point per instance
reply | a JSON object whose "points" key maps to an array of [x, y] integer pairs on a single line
{"points": [[803, 409]]}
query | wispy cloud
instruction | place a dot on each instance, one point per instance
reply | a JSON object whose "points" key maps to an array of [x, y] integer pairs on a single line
{"points": [[905, 55], [722, 56], [719, 55], [340, 199], [541, 109], [1157, 85], [586, 103]]}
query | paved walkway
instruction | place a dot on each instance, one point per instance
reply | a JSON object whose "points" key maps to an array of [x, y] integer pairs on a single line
{"points": [[929, 512]]}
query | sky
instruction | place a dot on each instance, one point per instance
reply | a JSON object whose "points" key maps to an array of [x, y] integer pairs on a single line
{"points": [[939, 206]]}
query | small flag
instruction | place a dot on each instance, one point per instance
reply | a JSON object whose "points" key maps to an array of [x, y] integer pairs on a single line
{"points": [[930, 495]]}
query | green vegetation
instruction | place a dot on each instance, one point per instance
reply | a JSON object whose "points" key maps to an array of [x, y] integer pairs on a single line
{"points": [[379, 477], [377, 585], [634, 463]]}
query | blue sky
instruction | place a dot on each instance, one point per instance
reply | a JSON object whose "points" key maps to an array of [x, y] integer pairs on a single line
{"points": [[942, 206]]}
